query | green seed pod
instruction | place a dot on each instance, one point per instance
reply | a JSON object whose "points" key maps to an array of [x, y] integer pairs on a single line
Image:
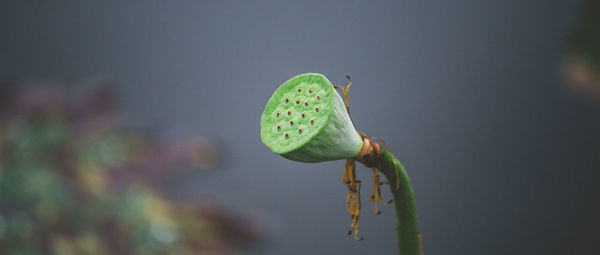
{"points": [[306, 120]]}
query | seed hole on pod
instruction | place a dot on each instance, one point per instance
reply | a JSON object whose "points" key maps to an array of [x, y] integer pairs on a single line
{"points": [[287, 100], [300, 131], [312, 122], [297, 101], [317, 109], [303, 115], [291, 123], [310, 91], [278, 128], [299, 90], [305, 103], [277, 115], [318, 98], [287, 135], [289, 112]]}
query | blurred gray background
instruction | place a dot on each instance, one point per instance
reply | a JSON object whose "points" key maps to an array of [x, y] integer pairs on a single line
{"points": [[469, 94]]}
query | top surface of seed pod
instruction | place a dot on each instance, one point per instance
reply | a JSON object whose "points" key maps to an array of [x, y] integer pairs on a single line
{"points": [[296, 89]]}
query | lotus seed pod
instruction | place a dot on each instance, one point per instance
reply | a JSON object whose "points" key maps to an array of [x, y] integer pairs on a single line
{"points": [[306, 120]]}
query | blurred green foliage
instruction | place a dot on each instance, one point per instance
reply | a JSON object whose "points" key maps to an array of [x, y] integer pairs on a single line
{"points": [[585, 38], [73, 182]]}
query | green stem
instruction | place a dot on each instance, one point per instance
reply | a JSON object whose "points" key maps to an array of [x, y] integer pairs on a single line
{"points": [[407, 228]]}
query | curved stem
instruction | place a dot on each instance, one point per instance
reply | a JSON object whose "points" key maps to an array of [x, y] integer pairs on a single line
{"points": [[407, 227]]}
